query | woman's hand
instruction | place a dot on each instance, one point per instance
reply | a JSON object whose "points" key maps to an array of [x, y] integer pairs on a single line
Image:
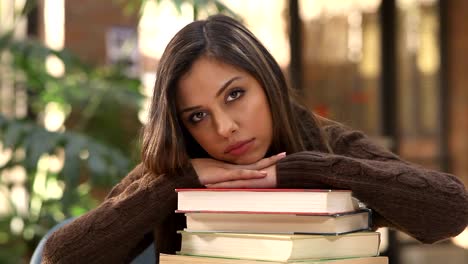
{"points": [[269, 181], [217, 174]]}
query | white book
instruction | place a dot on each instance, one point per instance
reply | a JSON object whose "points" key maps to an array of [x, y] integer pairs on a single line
{"points": [[252, 222], [280, 247], [183, 259]]}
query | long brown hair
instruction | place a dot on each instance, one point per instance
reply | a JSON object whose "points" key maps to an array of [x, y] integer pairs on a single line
{"points": [[166, 143]]}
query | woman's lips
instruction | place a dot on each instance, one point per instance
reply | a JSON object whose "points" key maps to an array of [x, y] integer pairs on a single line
{"points": [[239, 148]]}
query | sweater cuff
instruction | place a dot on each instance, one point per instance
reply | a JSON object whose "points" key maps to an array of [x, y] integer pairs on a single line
{"points": [[304, 170]]}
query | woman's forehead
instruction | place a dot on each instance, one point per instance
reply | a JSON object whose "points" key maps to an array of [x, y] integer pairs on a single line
{"points": [[208, 74]]}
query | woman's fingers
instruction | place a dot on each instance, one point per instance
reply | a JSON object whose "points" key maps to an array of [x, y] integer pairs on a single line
{"points": [[266, 162], [234, 175], [269, 181], [211, 171], [242, 184]]}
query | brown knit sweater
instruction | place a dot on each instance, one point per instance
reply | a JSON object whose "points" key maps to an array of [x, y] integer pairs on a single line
{"points": [[426, 204]]}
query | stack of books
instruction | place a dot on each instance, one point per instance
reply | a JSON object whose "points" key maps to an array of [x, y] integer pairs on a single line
{"points": [[275, 226]]}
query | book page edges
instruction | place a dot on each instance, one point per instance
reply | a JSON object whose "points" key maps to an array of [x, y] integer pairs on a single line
{"points": [[278, 236]]}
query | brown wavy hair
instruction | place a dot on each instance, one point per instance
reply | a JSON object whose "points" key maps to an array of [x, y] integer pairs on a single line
{"points": [[166, 143]]}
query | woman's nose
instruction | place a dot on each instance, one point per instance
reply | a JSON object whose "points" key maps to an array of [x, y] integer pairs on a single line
{"points": [[225, 124]]}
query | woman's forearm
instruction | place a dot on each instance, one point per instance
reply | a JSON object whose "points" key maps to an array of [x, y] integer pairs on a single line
{"points": [[121, 226], [426, 204]]}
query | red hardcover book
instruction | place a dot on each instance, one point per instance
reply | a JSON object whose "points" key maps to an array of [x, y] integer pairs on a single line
{"points": [[296, 201]]}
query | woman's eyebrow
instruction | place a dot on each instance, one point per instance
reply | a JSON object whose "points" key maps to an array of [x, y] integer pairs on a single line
{"points": [[226, 85], [188, 109], [218, 93]]}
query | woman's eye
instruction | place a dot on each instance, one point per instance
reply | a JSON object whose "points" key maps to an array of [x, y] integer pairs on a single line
{"points": [[233, 95], [197, 117]]}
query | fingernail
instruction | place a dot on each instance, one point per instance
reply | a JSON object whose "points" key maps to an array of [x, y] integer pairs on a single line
{"points": [[281, 155], [264, 173]]}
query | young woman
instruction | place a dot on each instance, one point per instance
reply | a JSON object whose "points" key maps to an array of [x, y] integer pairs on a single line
{"points": [[222, 116]]}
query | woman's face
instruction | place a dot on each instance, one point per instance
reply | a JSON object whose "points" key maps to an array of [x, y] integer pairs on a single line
{"points": [[226, 111]]}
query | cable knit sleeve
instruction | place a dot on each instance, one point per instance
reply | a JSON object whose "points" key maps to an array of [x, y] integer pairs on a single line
{"points": [[121, 226], [426, 204]]}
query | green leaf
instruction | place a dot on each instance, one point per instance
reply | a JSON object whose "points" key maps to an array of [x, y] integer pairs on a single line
{"points": [[96, 161], [78, 210], [28, 7], [74, 144], [13, 134], [222, 8], [5, 39], [37, 143]]}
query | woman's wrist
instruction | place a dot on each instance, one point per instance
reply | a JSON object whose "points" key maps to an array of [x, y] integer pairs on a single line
{"points": [[303, 170]]}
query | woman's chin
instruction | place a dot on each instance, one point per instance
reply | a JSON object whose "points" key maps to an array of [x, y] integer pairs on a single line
{"points": [[246, 159]]}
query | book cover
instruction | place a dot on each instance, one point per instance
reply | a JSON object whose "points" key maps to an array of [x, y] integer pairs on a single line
{"points": [[184, 259], [278, 247], [282, 222], [267, 200]]}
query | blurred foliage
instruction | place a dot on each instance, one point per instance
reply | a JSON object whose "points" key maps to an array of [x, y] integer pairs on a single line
{"points": [[98, 146]]}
